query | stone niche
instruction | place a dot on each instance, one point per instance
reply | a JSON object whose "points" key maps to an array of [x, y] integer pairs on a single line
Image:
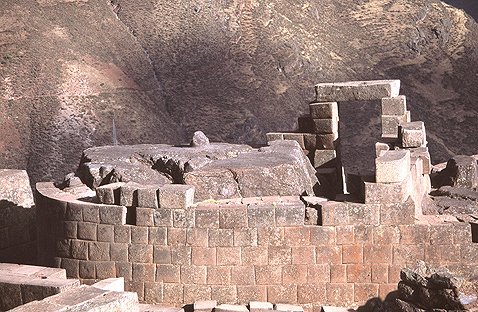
{"points": [[163, 218]]}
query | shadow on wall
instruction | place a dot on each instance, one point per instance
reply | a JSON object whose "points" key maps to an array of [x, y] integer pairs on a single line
{"points": [[17, 234], [469, 6]]}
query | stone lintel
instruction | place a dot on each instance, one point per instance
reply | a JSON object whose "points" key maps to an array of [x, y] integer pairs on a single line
{"points": [[357, 90]]}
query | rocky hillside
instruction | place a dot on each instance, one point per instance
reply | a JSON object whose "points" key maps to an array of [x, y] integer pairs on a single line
{"points": [[233, 69]]}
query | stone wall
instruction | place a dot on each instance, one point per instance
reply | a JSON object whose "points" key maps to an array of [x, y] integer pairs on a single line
{"points": [[236, 251]]}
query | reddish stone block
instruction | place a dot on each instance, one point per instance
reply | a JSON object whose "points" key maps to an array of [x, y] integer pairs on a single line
{"points": [[282, 293], [315, 293], [462, 233], [176, 196], [176, 237], [79, 250], [394, 273], [139, 235], [352, 254], [153, 292], [98, 251], [383, 235], [326, 141], [218, 275], [333, 213], [207, 217], [340, 294], [87, 270], [377, 253], [91, 214], [105, 269], [119, 252], [401, 213], [254, 256], [364, 292], [191, 274], [221, 237], [408, 254], [290, 214], [197, 237], [468, 253], [242, 275], [386, 290], [163, 217], [294, 274], [183, 218], [359, 273], [319, 273], [112, 214], [246, 294], [70, 229], [72, 267], [105, 233], [233, 217], [124, 269], [228, 255], [144, 272], [181, 255], [145, 216], [87, 231], [122, 234], [322, 235], [245, 237], [261, 215], [297, 236], [414, 234], [379, 273], [363, 234], [173, 294], [432, 254], [224, 294], [158, 236], [268, 274], [364, 213], [168, 273], [303, 255], [338, 273], [345, 234], [161, 254], [329, 254], [270, 236], [140, 253], [204, 256], [280, 255], [137, 287], [196, 292], [449, 253], [441, 234]]}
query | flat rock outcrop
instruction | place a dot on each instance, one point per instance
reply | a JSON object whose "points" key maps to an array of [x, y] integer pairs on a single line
{"points": [[216, 170]]}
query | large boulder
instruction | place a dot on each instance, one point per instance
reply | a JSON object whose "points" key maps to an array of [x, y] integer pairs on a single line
{"points": [[460, 171], [15, 188]]}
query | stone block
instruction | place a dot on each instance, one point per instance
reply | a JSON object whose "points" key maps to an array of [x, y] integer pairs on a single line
{"points": [[148, 197], [392, 167], [228, 256], [163, 217], [341, 294], [105, 233], [233, 217], [394, 105], [288, 308], [245, 237], [363, 213], [204, 305], [423, 154], [412, 134], [207, 256], [324, 110], [305, 124], [181, 255], [98, 251], [290, 214], [119, 252], [122, 233], [109, 194], [153, 292], [231, 308], [318, 273], [352, 254], [196, 292], [112, 214], [111, 284], [364, 291], [280, 255], [11, 295], [338, 273], [260, 215], [74, 211], [158, 236], [139, 235], [322, 235], [333, 213], [87, 231], [325, 158], [394, 214], [381, 148], [326, 141], [176, 236], [282, 293], [274, 136], [168, 273], [310, 141], [129, 194], [183, 218], [254, 256], [91, 213], [173, 294], [224, 293], [192, 274], [221, 237], [260, 306], [268, 274], [311, 216], [79, 249], [357, 90], [197, 237], [207, 217], [176, 196], [325, 126], [298, 137], [294, 274], [386, 193], [390, 125], [140, 253]]}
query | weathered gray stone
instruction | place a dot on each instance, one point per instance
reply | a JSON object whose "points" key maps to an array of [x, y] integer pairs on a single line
{"points": [[390, 125], [412, 134], [109, 193], [325, 126], [357, 90], [424, 155], [381, 148], [392, 167], [298, 137], [310, 141], [148, 196], [324, 110], [199, 139], [274, 136], [128, 194], [394, 105], [460, 171], [325, 158], [15, 188], [176, 196], [111, 284], [326, 141]]}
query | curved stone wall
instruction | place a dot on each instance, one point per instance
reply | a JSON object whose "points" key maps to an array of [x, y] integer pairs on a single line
{"points": [[279, 249]]}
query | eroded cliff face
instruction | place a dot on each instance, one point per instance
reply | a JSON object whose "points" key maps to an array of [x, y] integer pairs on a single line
{"points": [[233, 69]]}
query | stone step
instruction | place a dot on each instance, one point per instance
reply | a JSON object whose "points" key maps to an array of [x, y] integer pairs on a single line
{"points": [[158, 308], [32, 270]]}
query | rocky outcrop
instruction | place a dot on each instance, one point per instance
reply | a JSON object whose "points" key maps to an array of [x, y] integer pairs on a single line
{"points": [[217, 171]]}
